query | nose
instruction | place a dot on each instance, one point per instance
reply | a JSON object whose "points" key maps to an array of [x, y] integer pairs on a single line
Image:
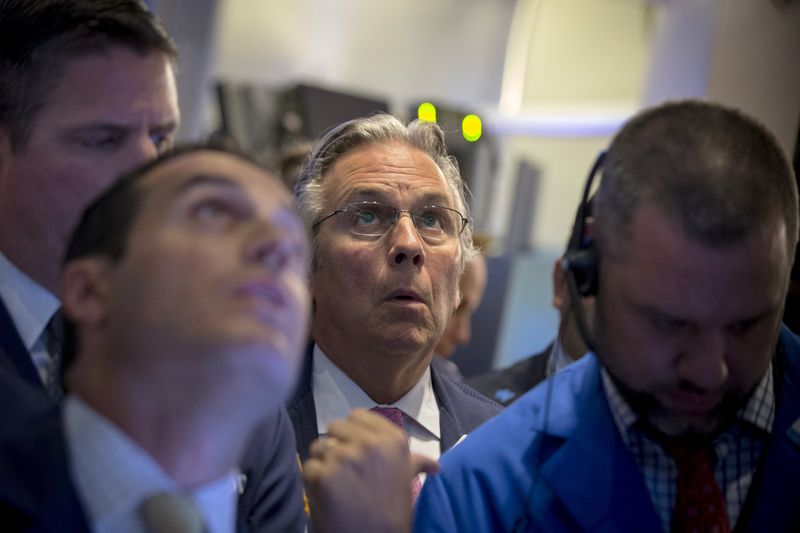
{"points": [[406, 244], [141, 150], [704, 363], [268, 248]]}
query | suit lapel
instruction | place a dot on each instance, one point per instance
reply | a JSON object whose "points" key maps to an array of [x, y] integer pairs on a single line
{"points": [[450, 427], [539, 368], [776, 503], [303, 412], [592, 474], [301, 408], [37, 484], [13, 354]]}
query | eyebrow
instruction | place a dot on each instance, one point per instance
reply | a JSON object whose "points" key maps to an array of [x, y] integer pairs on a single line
{"points": [[664, 315], [169, 125], [658, 314], [101, 125], [198, 180]]}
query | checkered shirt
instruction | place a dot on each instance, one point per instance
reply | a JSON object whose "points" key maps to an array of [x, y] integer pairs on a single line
{"points": [[737, 449]]}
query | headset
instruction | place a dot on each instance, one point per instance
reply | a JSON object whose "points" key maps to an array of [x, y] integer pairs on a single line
{"points": [[582, 259]]}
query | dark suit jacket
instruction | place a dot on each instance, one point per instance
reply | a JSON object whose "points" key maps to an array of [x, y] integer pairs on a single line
{"points": [[461, 409], [14, 356], [508, 384], [272, 500], [37, 494]]}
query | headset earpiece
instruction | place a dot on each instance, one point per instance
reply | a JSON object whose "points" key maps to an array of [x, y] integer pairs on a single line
{"points": [[580, 262]]}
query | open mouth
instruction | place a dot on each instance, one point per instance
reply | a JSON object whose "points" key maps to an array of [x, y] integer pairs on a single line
{"points": [[405, 296]]}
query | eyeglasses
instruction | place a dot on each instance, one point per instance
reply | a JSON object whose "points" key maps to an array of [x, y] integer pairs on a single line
{"points": [[434, 223]]}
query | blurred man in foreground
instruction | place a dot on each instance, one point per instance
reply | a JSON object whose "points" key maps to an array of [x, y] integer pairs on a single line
{"points": [[185, 288], [87, 92]]}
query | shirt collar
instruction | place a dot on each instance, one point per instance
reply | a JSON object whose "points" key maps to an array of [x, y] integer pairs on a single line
{"points": [[113, 474], [760, 407], [335, 395], [759, 410], [29, 304], [624, 416]]}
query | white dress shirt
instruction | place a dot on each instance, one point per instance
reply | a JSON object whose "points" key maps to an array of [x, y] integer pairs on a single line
{"points": [[335, 395], [31, 306], [113, 476]]}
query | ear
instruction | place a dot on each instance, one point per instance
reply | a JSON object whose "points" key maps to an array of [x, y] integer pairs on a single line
{"points": [[85, 294], [560, 294]]}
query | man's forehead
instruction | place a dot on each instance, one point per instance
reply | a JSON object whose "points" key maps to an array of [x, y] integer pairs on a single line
{"points": [[382, 169], [78, 76], [217, 169], [395, 156]]}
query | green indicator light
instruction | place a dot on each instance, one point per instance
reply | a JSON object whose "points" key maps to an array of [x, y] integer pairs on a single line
{"points": [[471, 128], [427, 112]]}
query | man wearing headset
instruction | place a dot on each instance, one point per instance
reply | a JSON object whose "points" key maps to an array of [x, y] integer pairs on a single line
{"points": [[686, 416], [507, 385]]}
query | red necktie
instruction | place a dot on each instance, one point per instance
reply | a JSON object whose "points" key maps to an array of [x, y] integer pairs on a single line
{"points": [[395, 416], [699, 505]]}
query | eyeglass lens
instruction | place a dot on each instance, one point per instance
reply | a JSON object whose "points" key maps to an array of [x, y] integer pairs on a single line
{"points": [[374, 219]]}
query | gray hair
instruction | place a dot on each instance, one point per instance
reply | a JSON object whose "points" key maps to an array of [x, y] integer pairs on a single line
{"points": [[716, 172], [377, 130]]}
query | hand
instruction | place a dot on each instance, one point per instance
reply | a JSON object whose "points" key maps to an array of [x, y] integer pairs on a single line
{"points": [[359, 477]]}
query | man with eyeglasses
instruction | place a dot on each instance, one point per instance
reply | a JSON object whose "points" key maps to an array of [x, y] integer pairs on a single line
{"points": [[390, 237]]}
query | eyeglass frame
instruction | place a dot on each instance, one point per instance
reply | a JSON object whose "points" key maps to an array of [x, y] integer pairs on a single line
{"points": [[397, 213]]}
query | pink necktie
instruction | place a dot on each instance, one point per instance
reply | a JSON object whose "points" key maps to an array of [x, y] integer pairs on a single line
{"points": [[395, 416]]}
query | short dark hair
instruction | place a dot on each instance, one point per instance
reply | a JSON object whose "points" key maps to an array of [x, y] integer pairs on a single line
{"points": [[716, 172], [104, 228], [38, 37]]}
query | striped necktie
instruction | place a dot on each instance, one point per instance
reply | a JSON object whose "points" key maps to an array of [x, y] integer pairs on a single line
{"points": [[53, 336], [166, 512]]}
